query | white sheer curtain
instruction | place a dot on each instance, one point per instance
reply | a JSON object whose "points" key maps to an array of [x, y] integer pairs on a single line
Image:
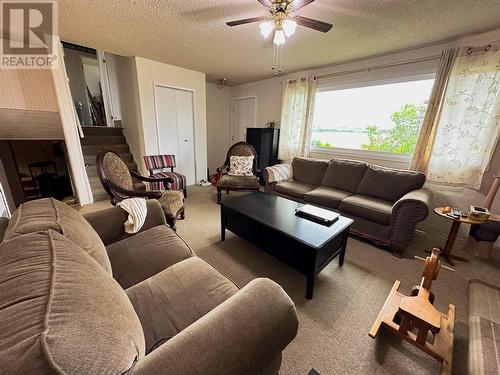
{"points": [[296, 118], [469, 125], [423, 149]]}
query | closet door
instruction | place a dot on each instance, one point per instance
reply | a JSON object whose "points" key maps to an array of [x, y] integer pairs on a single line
{"points": [[175, 124], [185, 135], [166, 121]]}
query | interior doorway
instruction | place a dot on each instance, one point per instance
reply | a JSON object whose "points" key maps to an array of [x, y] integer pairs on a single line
{"points": [[175, 128], [244, 115], [88, 84], [35, 169]]}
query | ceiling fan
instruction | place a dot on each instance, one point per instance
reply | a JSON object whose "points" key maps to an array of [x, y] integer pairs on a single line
{"points": [[282, 21]]}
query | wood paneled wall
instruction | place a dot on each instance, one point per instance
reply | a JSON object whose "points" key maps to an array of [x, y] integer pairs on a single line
{"points": [[28, 105], [28, 89]]}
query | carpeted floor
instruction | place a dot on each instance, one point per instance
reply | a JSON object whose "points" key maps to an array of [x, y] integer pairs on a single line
{"points": [[333, 333]]}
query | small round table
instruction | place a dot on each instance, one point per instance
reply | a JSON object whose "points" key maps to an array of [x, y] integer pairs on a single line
{"points": [[455, 226]]}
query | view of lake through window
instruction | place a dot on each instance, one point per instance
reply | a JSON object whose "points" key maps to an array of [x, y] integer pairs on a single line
{"points": [[383, 117]]}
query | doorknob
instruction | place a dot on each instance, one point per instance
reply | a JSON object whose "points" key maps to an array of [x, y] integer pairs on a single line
{"points": [[185, 140]]}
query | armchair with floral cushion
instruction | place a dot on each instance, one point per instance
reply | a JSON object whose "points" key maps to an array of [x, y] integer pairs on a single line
{"points": [[116, 179], [239, 171]]}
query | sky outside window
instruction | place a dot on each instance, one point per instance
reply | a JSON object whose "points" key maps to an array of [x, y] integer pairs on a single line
{"points": [[341, 117]]}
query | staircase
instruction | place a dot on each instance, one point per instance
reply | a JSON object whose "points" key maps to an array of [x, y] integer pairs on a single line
{"points": [[96, 138]]}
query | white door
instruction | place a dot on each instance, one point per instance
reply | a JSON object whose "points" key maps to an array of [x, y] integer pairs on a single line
{"points": [[175, 124], [244, 111]]}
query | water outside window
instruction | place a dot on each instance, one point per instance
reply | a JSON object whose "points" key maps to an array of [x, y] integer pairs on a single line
{"points": [[384, 117]]}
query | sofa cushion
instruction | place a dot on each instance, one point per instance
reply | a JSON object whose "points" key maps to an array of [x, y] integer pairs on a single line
{"points": [[389, 184], [136, 258], [344, 174], [369, 208], [51, 214], [178, 296], [484, 301], [484, 328], [484, 346], [309, 171], [61, 312], [326, 196], [238, 182], [294, 188]]}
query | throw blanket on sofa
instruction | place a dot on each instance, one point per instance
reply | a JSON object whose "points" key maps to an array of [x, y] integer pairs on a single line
{"points": [[137, 210], [279, 172]]}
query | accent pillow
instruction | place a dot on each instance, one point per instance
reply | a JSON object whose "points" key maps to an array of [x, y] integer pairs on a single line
{"points": [[241, 166]]}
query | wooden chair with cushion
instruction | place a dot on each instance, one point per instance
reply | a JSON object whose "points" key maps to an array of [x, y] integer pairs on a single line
{"points": [[230, 182], [116, 179], [161, 164]]}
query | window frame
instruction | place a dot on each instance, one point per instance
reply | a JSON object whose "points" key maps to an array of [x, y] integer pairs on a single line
{"points": [[382, 156]]}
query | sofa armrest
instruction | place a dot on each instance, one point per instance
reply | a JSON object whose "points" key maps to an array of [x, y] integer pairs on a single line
{"points": [[109, 223], [405, 214], [276, 173], [243, 335]]}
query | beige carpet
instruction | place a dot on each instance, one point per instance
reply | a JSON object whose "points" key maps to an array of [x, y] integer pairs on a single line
{"points": [[333, 333]]}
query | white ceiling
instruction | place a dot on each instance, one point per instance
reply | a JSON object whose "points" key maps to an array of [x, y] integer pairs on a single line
{"points": [[192, 33]]}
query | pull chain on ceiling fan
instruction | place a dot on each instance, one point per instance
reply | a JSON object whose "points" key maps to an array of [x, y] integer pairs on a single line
{"points": [[282, 23]]}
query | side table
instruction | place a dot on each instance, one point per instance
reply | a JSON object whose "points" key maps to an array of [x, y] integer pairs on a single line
{"points": [[452, 235]]}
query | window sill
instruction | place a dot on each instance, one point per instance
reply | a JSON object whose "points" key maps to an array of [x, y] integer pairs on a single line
{"points": [[374, 157]]}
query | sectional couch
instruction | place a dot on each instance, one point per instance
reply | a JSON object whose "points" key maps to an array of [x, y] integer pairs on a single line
{"points": [[386, 204], [79, 296]]}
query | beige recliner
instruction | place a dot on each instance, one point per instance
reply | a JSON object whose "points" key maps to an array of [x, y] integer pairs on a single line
{"points": [[79, 296]]}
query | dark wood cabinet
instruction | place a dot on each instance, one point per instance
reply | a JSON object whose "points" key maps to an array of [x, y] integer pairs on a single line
{"points": [[265, 141]]}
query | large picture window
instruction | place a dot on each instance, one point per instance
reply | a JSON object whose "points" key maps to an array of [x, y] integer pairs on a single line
{"points": [[383, 117]]}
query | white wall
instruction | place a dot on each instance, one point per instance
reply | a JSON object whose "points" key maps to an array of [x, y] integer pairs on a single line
{"points": [[77, 84], [128, 98], [92, 75], [269, 91], [113, 78], [218, 125], [150, 73]]}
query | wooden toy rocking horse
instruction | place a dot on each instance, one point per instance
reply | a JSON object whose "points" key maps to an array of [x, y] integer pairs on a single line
{"points": [[414, 317]]}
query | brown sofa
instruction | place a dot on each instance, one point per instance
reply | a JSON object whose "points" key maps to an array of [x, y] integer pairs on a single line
{"points": [[386, 204], [80, 297]]}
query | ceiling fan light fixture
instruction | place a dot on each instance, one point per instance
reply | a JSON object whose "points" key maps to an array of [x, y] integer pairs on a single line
{"points": [[289, 27], [279, 37], [266, 28]]}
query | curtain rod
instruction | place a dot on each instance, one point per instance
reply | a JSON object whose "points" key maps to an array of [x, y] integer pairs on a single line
{"points": [[302, 79], [382, 66], [470, 50]]}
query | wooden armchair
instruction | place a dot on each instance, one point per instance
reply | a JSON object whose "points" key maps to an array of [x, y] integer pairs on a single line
{"points": [[237, 183], [116, 179]]}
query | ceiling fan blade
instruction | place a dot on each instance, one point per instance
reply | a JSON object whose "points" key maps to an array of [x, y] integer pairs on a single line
{"points": [[244, 21], [266, 3], [313, 24], [297, 4]]}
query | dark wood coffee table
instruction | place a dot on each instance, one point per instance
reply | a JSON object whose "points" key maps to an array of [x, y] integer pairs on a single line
{"points": [[269, 222]]}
